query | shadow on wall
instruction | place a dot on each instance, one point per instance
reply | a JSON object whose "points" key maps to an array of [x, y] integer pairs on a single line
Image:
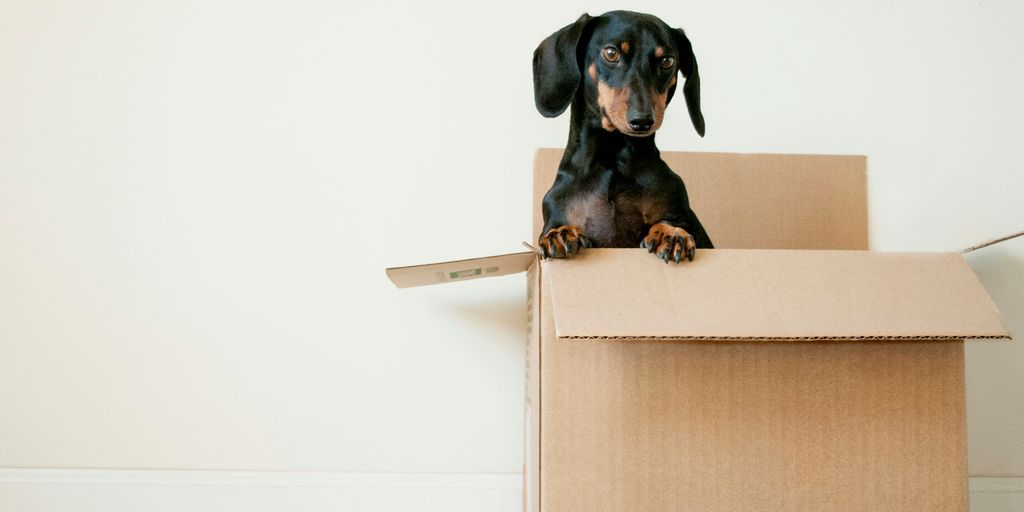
{"points": [[506, 313], [995, 389], [1002, 274]]}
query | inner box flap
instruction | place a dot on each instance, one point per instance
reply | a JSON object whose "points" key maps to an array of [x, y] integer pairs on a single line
{"points": [[770, 294], [760, 201]]}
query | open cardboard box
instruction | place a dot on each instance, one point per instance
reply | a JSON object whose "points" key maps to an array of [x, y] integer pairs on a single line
{"points": [[790, 369]]}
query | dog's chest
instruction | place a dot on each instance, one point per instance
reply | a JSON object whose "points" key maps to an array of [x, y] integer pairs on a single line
{"points": [[608, 210]]}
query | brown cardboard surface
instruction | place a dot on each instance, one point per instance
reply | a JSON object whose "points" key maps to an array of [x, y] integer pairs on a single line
{"points": [[763, 294], [812, 425], [460, 270], [808, 426], [760, 201]]}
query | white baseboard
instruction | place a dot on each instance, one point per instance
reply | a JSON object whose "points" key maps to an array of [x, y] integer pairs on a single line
{"points": [[100, 490], [997, 494], [103, 490]]}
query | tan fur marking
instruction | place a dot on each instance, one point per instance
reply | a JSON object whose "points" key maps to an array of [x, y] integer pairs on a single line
{"points": [[660, 102], [624, 46], [665, 238], [614, 102], [592, 71], [659, 52], [563, 241]]}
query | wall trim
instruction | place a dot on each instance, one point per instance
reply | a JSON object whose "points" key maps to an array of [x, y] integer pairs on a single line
{"points": [[997, 484], [33, 489], [155, 490], [996, 494], [511, 481]]}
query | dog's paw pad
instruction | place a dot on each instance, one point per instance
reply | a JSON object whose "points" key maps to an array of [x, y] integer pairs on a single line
{"points": [[669, 243], [562, 242]]}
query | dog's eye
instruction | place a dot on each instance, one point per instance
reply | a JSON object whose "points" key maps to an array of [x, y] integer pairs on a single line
{"points": [[610, 54], [667, 63]]}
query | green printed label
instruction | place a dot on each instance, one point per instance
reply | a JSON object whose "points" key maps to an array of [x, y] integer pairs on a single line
{"points": [[461, 274]]}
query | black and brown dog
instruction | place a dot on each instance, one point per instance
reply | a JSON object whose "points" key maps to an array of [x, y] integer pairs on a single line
{"points": [[618, 71]]}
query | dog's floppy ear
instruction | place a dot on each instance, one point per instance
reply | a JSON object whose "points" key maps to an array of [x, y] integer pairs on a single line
{"points": [[691, 90], [556, 68]]}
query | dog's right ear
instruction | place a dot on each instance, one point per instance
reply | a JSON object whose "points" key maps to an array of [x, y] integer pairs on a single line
{"points": [[556, 68], [691, 90]]}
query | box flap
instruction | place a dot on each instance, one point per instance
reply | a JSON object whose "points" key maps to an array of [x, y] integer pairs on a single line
{"points": [[461, 270], [994, 241], [770, 294], [760, 201]]}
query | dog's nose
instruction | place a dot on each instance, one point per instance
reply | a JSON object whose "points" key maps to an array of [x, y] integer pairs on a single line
{"points": [[641, 122]]}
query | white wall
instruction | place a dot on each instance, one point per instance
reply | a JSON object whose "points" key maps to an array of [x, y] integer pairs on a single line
{"points": [[198, 199]]}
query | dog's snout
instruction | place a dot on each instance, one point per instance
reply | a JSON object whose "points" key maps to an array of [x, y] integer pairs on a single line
{"points": [[641, 121]]}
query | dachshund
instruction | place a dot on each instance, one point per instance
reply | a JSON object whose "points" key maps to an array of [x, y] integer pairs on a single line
{"points": [[618, 71]]}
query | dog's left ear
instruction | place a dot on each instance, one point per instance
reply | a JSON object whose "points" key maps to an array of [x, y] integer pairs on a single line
{"points": [[556, 68], [691, 90]]}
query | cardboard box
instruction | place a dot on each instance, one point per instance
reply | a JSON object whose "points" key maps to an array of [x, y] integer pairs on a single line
{"points": [[790, 369]]}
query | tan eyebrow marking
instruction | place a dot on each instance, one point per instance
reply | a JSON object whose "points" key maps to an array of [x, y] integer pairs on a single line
{"points": [[659, 52], [624, 46]]}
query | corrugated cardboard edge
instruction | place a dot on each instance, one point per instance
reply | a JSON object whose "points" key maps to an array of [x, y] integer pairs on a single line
{"points": [[534, 405], [726, 339]]}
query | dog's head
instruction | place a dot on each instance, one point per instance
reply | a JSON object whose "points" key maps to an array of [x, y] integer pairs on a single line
{"points": [[624, 64]]}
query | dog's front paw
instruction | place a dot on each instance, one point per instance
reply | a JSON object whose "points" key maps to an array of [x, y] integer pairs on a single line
{"points": [[562, 242], [669, 243]]}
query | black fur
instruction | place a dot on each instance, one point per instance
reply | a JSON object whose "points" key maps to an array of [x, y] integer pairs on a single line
{"points": [[612, 187]]}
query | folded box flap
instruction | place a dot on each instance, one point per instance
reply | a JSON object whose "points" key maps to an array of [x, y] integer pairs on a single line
{"points": [[770, 294], [461, 270]]}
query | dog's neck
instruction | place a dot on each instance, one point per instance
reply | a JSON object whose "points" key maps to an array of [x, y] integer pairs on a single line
{"points": [[591, 146]]}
